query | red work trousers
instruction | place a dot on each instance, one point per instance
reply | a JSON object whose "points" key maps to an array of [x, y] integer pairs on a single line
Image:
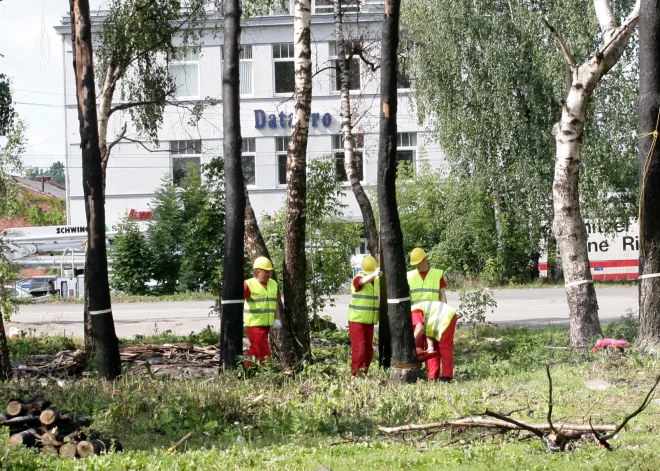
{"points": [[446, 349], [362, 348], [258, 337]]}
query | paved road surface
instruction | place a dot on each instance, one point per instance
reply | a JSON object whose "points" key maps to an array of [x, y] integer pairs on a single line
{"points": [[514, 306]]}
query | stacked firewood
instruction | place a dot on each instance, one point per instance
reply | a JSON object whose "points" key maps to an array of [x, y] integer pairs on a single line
{"points": [[35, 423]]}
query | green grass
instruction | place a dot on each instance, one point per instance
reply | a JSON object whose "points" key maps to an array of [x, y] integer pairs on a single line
{"points": [[269, 420]]}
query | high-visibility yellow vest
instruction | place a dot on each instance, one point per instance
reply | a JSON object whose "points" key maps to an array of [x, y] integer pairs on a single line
{"points": [[427, 289], [437, 317], [259, 308], [364, 303]]}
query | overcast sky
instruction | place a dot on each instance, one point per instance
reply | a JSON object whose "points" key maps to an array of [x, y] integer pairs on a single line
{"points": [[33, 60]]}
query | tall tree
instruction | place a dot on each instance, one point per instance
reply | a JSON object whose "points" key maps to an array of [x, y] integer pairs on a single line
{"points": [[231, 319], [568, 224], [10, 164], [96, 261], [295, 336], [648, 110], [350, 160], [7, 112], [404, 358]]}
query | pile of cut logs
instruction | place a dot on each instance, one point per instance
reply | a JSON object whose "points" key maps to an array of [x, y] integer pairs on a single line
{"points": [[35, 423]]}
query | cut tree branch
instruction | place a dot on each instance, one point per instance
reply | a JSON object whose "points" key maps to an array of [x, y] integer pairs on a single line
{"points": [[564, 48], [644, 405], [116, 141]]}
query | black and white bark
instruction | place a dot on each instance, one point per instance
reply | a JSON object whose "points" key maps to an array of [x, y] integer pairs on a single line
{"points": [[295, 335], [231, 317], [404, 357], [568, 224], [106, 344], [648, 109], [369, 221]]}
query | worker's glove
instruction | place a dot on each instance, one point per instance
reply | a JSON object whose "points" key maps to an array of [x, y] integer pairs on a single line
{"points": [[430, 350], [377, 272], [277, 324]]}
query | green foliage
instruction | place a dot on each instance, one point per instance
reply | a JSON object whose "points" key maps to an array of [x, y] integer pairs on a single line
{"points": [[489, 78], [137, 39], [11, 164], [23, 348], [474, 305], [331, 238], [52, 217], [186, 234], [55, 172], [131, 259], [164, 234], [626, 329], [7, 113], [203, 213], [8, 277]]}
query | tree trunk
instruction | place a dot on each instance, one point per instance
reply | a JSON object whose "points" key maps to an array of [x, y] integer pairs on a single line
{"points": [[361, 197], [384, 334], [648, 110], [5, 363], [296, 343], [568, 224], [404, 357], [231, 319], [96, 261]]}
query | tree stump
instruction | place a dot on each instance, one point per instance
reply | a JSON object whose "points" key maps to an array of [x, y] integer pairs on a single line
{"points": [[407, 373]]}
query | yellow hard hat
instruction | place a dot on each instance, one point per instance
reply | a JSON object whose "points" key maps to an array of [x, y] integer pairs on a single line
{"points": [[262, 263], [416, 256], [369, 265]]}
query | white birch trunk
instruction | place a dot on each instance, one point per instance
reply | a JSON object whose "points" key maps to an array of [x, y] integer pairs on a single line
{"points": [[295, 336], [568, 224]]}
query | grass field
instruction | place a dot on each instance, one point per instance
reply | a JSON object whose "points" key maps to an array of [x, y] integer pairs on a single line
{"points": [[270, 420]]}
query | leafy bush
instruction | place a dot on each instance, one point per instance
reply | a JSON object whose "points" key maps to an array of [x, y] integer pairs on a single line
{"points": [[626, 329], [474, 305], [131, 259]]}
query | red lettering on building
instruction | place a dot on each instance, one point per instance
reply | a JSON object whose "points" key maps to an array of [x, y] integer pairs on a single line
{"points": [[140, 215]]}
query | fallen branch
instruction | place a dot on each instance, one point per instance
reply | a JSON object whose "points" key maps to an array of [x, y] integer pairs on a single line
{"points": [[173, 448], [485, 422]]}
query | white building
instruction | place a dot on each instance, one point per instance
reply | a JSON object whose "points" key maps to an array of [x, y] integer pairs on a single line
{"points": [[267, 84]]}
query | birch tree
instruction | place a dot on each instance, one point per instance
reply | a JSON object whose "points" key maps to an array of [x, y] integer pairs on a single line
{"points": [[295, 336], [350, 162], [231, 320], [404, 357], [649, 176], [568, 224], [96, 261]]}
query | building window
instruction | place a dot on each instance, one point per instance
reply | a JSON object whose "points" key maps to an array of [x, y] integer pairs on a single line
{"points": [[249, 152], [184, 69], [338, 152], [353, 66], [281, 148], [362, 248], [406, 147], [244, 68], [184, 154], [326, 6], [285, 72]]}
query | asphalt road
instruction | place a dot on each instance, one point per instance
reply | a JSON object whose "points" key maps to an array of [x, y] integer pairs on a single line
{"points": [[514, 307]]}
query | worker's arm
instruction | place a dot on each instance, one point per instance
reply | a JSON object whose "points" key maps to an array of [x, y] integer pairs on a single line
{"points": [[367, 278], [419, 330], [443, 285]]}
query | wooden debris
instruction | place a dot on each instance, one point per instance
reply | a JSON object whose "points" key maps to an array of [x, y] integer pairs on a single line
{"points": [[60, 433], [166, 359], [69, 450]]}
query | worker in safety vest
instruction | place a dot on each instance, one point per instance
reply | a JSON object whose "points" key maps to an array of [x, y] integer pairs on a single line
{"points": [[260, 309], [434, 324], [426, 284], [363, 314]]}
